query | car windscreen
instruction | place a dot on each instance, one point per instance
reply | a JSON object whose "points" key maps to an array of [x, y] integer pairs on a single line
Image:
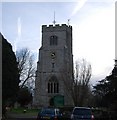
{"points": [[47, 111], [78, 111]]}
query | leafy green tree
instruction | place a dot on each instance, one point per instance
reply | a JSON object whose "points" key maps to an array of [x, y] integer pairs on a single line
{"points": [[112, 89], [100, 91], [24, 96], [10, 74], [106, 90]]}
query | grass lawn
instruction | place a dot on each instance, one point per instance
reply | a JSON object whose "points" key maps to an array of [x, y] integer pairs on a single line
{"points": [[21, 111]]}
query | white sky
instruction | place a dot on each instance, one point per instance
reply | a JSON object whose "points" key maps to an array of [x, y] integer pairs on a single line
{"points": [[93, 29]]}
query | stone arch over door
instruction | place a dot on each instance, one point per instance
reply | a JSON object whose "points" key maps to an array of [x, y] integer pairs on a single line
{"points": [[57, 101], [51, 101]]}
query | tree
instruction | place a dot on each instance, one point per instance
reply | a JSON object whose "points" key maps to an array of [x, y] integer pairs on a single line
{"points": [[107, 90], [26, 66], [83, 75], [100, 91], [78, 86], [24, 96], [112, 88], [10, 75]]}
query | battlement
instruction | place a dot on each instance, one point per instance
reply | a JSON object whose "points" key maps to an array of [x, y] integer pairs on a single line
{"points": [[56, 27]]}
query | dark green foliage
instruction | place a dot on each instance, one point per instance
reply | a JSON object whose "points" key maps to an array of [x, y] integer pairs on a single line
{"points": [[100, 91], [112, 89], [24, 96], [10, 76], [106, 91]]}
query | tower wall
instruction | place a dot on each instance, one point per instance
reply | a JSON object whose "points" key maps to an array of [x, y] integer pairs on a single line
{"points": [[58, 65]]}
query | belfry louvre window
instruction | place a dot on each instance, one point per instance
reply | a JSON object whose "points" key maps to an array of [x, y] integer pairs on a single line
{"points": [[53, 85], [53, 40]]}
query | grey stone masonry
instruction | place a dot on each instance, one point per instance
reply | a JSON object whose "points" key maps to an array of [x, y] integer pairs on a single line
{"points": [[55, 65]]}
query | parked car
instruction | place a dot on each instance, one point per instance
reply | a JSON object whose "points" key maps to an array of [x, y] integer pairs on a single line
{"points": [[82, 113], [49, 114]]}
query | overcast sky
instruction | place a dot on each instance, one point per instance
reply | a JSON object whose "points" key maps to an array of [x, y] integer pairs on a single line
{"points": [[93, 23]]}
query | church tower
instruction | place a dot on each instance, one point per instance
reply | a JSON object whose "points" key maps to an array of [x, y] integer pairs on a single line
{"points": [[54, 66]]}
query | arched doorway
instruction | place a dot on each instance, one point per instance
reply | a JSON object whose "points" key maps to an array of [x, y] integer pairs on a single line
{"points": [[57, 101], [51, 101]]}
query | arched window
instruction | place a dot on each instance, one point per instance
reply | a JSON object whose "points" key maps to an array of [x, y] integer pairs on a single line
{"points": [[53, 40], [53, 85]]}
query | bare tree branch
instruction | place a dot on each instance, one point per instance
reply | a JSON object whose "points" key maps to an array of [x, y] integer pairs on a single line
{"points": [[79, 85], [26, 65]]}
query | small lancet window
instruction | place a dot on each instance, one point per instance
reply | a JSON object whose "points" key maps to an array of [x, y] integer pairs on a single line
{"points": [[53, 40]]}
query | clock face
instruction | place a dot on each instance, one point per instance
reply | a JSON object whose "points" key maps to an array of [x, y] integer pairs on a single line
{"points": [[53, 55]]}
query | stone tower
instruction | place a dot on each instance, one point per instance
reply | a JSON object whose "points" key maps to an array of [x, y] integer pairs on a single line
{"points": [[55, 67]]}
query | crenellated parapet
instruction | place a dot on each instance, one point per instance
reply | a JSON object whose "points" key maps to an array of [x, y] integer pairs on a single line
{"points": [[56, 27]]}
